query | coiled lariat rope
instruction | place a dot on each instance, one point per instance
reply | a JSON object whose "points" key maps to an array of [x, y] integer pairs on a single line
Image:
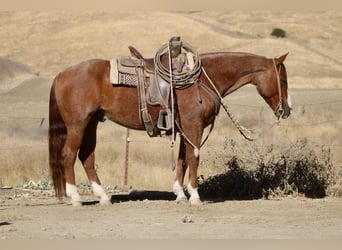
{"points": [[179, 79]]}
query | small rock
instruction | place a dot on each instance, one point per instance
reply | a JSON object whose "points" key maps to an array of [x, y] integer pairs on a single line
{"points": [[187, 219]]}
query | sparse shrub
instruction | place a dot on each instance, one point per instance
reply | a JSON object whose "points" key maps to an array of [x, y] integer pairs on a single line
{"points": [[277, 32], [237, 183], [44, 184], [310, 171], [298, 170]]}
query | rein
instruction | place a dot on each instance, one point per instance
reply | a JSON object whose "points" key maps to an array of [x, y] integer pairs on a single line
{"points": [[177, 80], [237, 124], [242, 129], [215, 93]]}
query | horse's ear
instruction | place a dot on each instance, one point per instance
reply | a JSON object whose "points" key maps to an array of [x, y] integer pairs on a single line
{"points": [[282, 58]]}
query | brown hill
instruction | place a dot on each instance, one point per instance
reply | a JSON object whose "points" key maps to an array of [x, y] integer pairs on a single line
{"points": [[12, 73]]}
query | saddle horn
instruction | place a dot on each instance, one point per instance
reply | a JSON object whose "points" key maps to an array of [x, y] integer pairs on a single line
{"points": [[135, 53]]}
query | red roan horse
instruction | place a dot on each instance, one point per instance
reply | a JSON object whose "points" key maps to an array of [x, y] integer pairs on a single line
{"points": [[82, 95]]}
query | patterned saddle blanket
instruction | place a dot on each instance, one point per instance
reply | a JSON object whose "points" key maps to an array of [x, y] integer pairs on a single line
{"points": [[123, 71]]}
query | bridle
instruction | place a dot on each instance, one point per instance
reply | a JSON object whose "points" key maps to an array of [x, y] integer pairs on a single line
{"points": [[279, 111]]}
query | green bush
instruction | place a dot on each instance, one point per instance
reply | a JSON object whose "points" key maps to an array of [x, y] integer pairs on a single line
{"points": [[277, 32]]}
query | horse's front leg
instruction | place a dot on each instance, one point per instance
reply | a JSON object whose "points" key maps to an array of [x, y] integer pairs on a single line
{"points": [[192, 159], [180, 172], [188, 158]]}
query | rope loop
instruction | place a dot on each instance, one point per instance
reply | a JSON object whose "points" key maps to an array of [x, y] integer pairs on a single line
{"points": [[185, 77]]}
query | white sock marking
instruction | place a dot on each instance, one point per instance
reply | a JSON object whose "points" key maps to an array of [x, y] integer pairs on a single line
{"points": [[193, 193], [99, 191], [178, 190], [71, 191]]}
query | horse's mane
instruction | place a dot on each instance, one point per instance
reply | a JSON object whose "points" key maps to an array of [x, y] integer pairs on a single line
{"points": [[232, 54]]}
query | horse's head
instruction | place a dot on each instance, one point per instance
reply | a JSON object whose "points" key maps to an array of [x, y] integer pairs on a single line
{"points": [[272, 86]]}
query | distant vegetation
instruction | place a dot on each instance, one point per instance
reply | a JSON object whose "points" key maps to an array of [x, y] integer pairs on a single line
{"points": [[277, 32]]}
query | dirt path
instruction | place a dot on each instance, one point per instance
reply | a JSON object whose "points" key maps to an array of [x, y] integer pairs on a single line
{"points": [[146, 215]]}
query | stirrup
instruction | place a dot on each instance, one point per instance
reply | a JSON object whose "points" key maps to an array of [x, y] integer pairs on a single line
{"points": [[164, 119]]}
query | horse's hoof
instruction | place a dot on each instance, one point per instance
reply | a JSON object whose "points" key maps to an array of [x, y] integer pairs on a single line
{"points": [[76, 203], [195, 202], [105, 202], [181, 199]]}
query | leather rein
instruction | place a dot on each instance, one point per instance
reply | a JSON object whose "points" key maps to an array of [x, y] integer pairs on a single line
{"points": [[214, 94], [218, 99], [244, 131]]}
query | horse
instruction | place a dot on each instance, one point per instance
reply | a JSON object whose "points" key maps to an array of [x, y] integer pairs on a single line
{"points": [[82, 95]]}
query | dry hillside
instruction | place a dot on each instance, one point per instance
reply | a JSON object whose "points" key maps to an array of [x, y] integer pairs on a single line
{"points": [[50, 41]]}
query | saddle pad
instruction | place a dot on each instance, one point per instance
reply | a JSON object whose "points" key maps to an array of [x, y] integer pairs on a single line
{"points": [[114, 73], [119, 78]]}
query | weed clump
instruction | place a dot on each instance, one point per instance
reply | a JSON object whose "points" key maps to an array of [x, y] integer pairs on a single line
{"points": [[297, 170], [44, 184]]}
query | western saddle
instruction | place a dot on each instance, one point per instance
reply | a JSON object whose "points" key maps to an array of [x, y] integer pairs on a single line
{"points": [[154, 81]]}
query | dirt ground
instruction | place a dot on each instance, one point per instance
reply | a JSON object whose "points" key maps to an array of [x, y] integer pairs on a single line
{"points": [[155, 215]]}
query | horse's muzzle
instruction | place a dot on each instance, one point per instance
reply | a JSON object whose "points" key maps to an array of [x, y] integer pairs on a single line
{"points": [[283, 112]]}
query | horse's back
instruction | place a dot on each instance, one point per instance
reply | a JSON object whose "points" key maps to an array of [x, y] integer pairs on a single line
{"points": [[94, 68]]}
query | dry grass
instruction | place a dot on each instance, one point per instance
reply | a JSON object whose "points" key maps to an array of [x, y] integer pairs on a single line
{"points": [[25, 157]]}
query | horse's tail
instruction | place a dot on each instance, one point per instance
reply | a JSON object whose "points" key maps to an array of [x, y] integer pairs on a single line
{"points": [[57, 136]]}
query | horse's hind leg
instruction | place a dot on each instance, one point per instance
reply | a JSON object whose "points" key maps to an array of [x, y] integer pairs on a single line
{"points": [[87, 157], [69, 153]]}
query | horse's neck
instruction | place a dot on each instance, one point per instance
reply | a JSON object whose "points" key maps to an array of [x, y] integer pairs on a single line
{"points": [[232, 74], [242, 81]]}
